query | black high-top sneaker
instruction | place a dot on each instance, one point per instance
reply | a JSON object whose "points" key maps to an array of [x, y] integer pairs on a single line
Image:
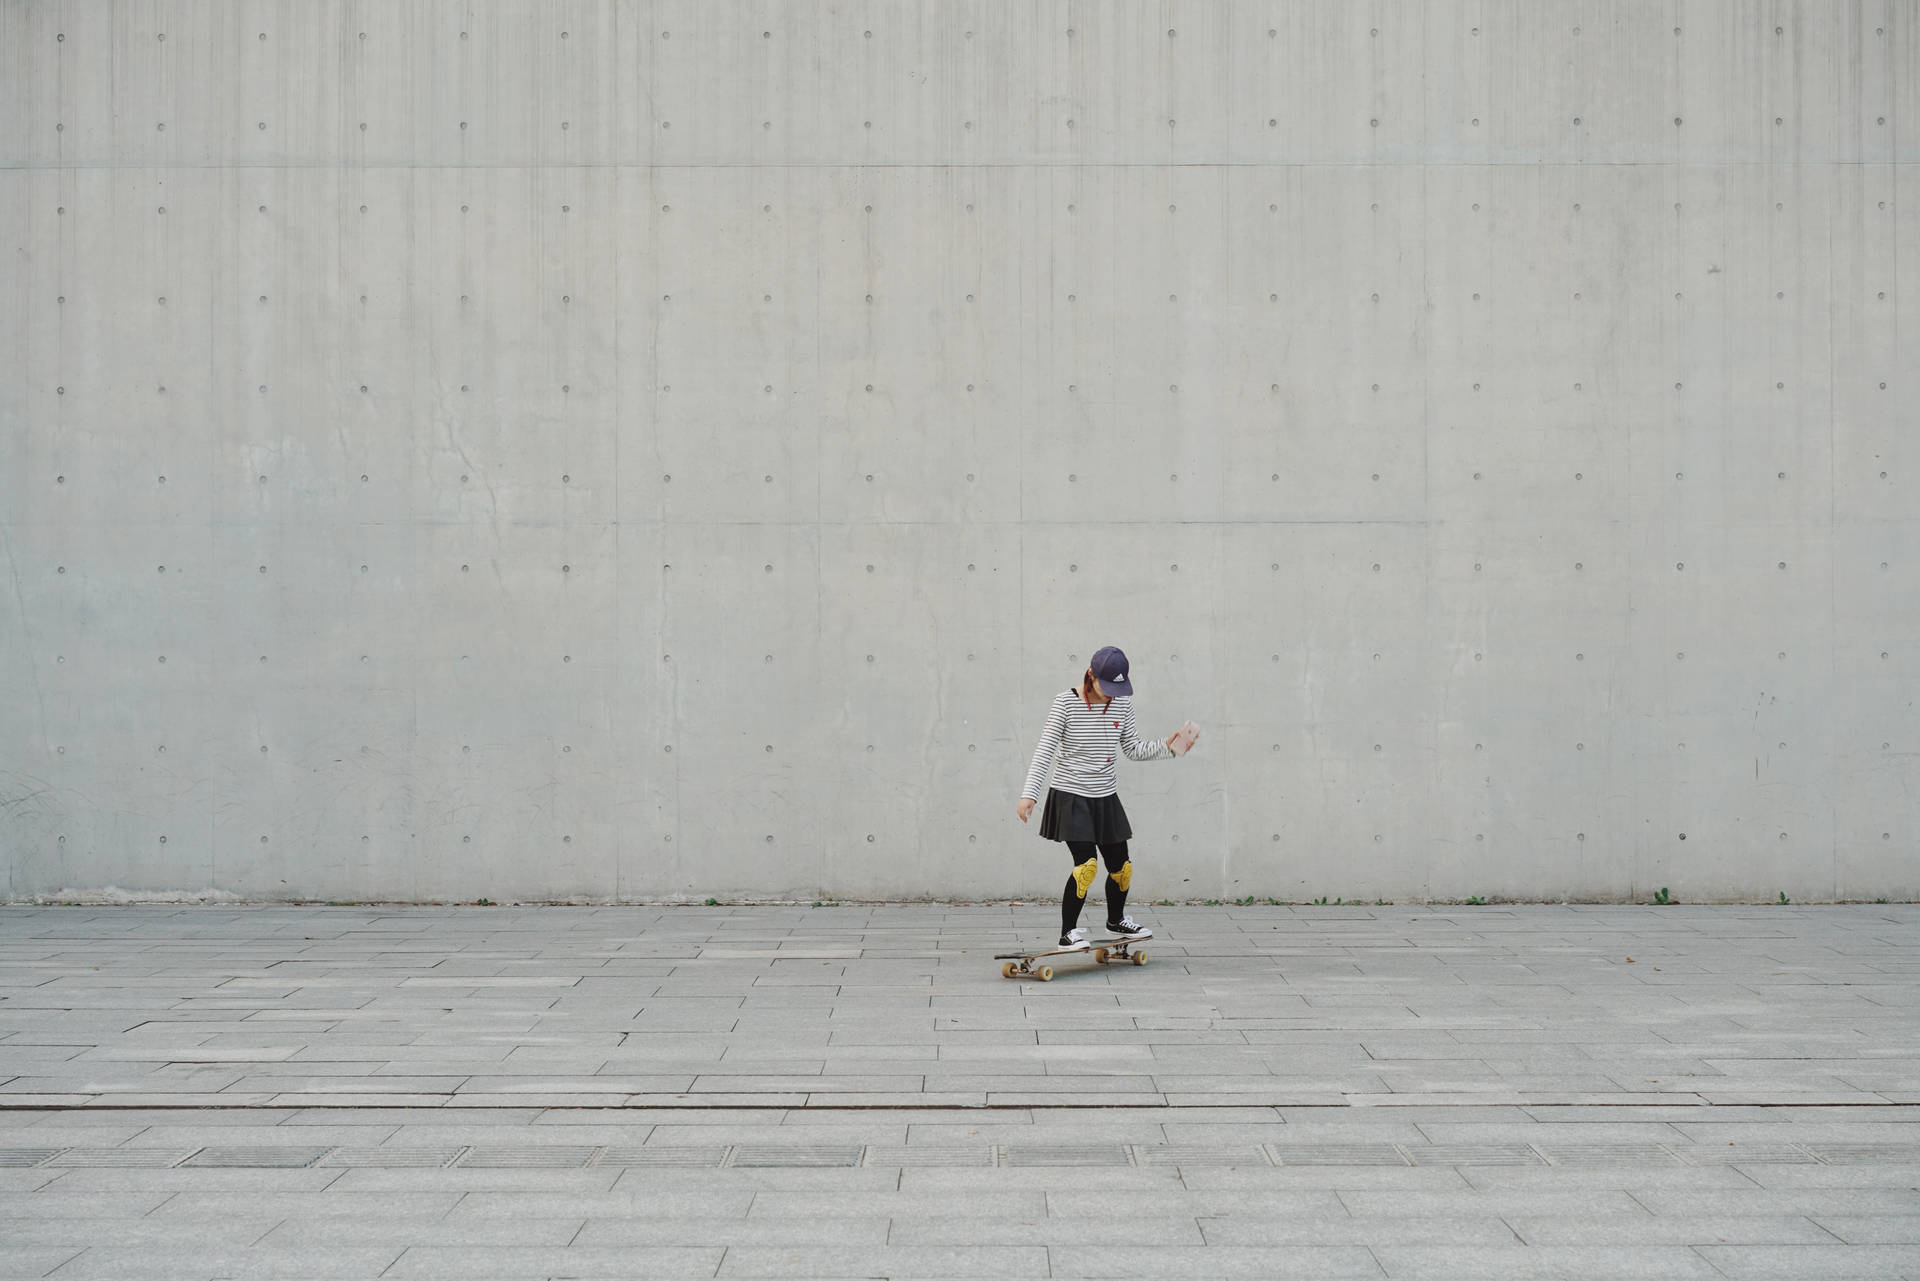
{"points": [[1075, 938]]}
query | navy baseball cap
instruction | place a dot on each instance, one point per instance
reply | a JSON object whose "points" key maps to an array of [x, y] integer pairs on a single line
{"points": [[1110, 669]]}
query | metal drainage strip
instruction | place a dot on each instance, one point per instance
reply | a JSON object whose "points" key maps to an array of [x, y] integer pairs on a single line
{"points": [[904, 1158], [783, 1157], [1336, 1154], [1593, 1156], [1219, 1158], [528, 1157], [691, 1158], [256, 1158], [26, 1158], [1471, 1154], [393, 1158], [1100, 1155], [1867, 1153], [1744, 1154], [122, 1158]]}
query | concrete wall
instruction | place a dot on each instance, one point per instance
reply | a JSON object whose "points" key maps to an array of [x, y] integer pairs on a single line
{"points": [[632, 448]]}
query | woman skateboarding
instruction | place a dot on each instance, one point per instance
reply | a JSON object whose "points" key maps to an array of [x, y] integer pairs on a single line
{"points": [[1087, 728]]}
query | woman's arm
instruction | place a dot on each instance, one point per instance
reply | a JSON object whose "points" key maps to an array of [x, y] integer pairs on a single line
{"points": [[1052, 737], [1136, 747]]}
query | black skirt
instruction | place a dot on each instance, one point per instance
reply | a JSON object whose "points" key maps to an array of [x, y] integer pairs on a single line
{"points": [[1101, 819]]}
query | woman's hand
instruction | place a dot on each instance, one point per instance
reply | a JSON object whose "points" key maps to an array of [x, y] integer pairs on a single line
{"points": [[1025, 809], [1181, 741]]}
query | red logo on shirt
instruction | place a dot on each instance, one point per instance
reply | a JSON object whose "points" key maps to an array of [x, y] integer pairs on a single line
{"points": [[1116, 724]]}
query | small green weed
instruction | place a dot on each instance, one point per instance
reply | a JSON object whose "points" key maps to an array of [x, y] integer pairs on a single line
{"points": [[713, 902], [1784, 900], [483, 902], [1661, 897], [1476, 901], [1879, 900]]}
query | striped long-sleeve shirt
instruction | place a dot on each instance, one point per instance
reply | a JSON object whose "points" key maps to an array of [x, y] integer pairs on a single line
{"points": [[1087, 739]]}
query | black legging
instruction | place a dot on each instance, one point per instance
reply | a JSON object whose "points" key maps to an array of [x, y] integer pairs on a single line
{"points": [[1115, 853]]}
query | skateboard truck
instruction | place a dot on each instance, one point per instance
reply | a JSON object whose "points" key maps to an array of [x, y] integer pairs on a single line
{"points": [[1122, 950]]}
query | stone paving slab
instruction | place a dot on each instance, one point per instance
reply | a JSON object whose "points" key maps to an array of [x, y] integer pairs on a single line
{"points": [[1786, 1262], [1535, 1263], [215, 1258], [22, 1260], [855, 1091]]}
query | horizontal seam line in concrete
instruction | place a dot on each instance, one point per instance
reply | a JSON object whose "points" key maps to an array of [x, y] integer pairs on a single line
{"points": [[399, 165], [359, 1104], [804, 523]]}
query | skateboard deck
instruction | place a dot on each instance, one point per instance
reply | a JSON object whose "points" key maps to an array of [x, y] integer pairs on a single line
{"points": [[1122, 949]]}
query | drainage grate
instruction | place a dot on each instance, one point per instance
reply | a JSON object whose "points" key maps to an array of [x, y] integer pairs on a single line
{"points": [[393, 1158], [122, 1158], [531, 1157], [840, 1156], [796, 1157], [25, 1158], [255, 1158], [886, 1158], [1866, 1153], [694, 1158], [1472, 1154], [1101, 1154], [1195, 1157], [1336, 1154], [1594, 1156], [1743, 1154]]}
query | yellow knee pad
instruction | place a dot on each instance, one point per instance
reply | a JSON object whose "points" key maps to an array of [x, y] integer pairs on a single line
{"points": [[1124, 877], [1083, 874]]}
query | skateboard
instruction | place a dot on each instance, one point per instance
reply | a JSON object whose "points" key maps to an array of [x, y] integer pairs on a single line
{"points": [[1119, 950]]}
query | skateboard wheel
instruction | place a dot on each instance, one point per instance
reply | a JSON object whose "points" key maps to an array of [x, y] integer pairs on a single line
{"points": [[1046, 973], [1139, 958], [1101, 954], [1006, 971]]}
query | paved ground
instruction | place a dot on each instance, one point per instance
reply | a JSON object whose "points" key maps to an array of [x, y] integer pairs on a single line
{"points": [[856, 1092]]}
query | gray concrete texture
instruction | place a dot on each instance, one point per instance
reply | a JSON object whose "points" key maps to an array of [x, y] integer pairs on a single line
{"points": [[1591, 1092], [637, 450]]}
